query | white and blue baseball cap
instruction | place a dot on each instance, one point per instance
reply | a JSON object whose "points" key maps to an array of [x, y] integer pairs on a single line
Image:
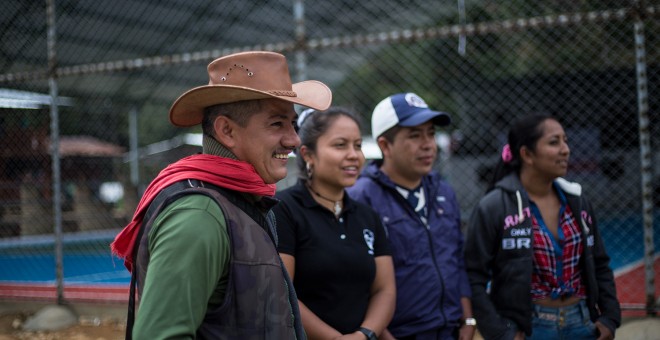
{"points": [[404, 109]]}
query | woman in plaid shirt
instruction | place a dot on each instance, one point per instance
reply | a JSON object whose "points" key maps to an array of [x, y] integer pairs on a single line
{"points": [[534, 255]]}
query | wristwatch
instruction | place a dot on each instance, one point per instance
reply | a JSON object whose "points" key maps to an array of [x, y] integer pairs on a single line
{"points": [[470, 322], [371, 335]]}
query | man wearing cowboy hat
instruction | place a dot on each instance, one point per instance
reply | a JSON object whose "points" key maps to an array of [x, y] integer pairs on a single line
{"points": [[201, 245]]}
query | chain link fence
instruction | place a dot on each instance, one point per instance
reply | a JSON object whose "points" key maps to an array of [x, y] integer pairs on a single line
{"points": [[85, 87]]}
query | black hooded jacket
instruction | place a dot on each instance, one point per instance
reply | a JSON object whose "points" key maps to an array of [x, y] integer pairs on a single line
{"points": [[499, 249]]}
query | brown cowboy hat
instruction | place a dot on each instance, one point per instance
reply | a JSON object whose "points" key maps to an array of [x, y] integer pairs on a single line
{"points": [[246, 76]]}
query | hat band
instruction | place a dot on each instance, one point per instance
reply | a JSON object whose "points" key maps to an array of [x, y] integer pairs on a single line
{"points": [[283, 93]]}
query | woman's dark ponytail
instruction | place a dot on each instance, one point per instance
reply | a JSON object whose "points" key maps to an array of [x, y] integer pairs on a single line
{"points": [[525, 131]]}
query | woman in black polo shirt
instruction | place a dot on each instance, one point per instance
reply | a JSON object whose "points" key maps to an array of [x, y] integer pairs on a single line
{"points": [[334, 248]]}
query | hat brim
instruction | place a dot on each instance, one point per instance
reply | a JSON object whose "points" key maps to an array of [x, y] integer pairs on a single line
{"points": [[438, 117], [188, 109]]}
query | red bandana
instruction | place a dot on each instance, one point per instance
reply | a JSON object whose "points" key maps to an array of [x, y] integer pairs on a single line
{"points": [[223, 172]]}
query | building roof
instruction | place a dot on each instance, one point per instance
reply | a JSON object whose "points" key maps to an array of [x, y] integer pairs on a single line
{"points": [[88, 146]]}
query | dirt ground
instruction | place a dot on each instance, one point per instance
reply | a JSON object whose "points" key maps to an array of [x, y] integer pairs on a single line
{"points": [[96, 322], [111, 325], [107, 329]]}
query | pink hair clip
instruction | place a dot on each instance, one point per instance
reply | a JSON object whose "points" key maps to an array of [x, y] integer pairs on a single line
{"points": [[507, 156]]}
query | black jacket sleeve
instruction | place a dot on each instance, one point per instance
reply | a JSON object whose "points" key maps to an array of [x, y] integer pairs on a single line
{"points": [[606, 300], [482, 240]]}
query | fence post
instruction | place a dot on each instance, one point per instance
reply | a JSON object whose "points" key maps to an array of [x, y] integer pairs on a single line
{"points": [[645, 157], [301, 40], [55, 150], [134, 152]]}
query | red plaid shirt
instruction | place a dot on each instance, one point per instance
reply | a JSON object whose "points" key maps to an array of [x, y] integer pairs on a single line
{"points": [[548, 278]]}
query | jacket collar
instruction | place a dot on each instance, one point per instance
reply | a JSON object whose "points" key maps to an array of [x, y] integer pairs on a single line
{"points": [[511, 183], [430, 182]]}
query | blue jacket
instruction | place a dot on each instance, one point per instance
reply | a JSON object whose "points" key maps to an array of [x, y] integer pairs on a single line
{"points": [[428, 257]]}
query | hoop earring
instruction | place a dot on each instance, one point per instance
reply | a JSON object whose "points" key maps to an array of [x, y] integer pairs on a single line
{"points": [[310, 171]]}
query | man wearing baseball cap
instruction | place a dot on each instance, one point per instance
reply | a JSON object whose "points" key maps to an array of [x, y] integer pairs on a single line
{"points": [[201, 246], [422, 218]]}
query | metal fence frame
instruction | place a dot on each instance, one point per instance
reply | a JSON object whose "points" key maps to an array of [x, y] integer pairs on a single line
{"points": [[300, 45]]}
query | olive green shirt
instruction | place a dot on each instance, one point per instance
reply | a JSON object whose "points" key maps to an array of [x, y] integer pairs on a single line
{"points": [[188, 269]]}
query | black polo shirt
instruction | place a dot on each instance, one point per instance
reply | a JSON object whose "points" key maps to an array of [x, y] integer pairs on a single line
{"points": [[335, 264]]}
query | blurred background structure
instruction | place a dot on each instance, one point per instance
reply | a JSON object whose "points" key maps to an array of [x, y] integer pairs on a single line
{"points": [[85, 88]]}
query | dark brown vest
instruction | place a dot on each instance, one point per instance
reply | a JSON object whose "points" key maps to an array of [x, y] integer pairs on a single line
{"points": [[257, 302]]}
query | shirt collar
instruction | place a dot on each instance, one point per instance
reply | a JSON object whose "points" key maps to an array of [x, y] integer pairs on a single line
{"points": [[212, 147]]}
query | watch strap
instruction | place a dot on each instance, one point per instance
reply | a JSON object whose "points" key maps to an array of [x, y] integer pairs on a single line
{"points": [[371, 335]]}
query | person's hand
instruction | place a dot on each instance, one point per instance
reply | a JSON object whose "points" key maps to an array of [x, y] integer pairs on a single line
{"points": [[466, 332], [357, 335], [605, 333], [386, 335], [520, 335]]}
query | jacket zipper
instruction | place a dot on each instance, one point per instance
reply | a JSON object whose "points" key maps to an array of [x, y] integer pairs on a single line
{"points": [[430, 238], [437, 269]]}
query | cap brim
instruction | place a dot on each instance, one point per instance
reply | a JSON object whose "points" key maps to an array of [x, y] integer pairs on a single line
{"points": [[439, 118], [188, 109]]}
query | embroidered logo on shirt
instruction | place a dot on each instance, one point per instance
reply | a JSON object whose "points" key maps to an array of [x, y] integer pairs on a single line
{"points": [[369, 240]]}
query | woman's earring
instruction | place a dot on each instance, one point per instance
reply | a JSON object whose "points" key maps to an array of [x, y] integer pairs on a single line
{"points": [[310, 171]]}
